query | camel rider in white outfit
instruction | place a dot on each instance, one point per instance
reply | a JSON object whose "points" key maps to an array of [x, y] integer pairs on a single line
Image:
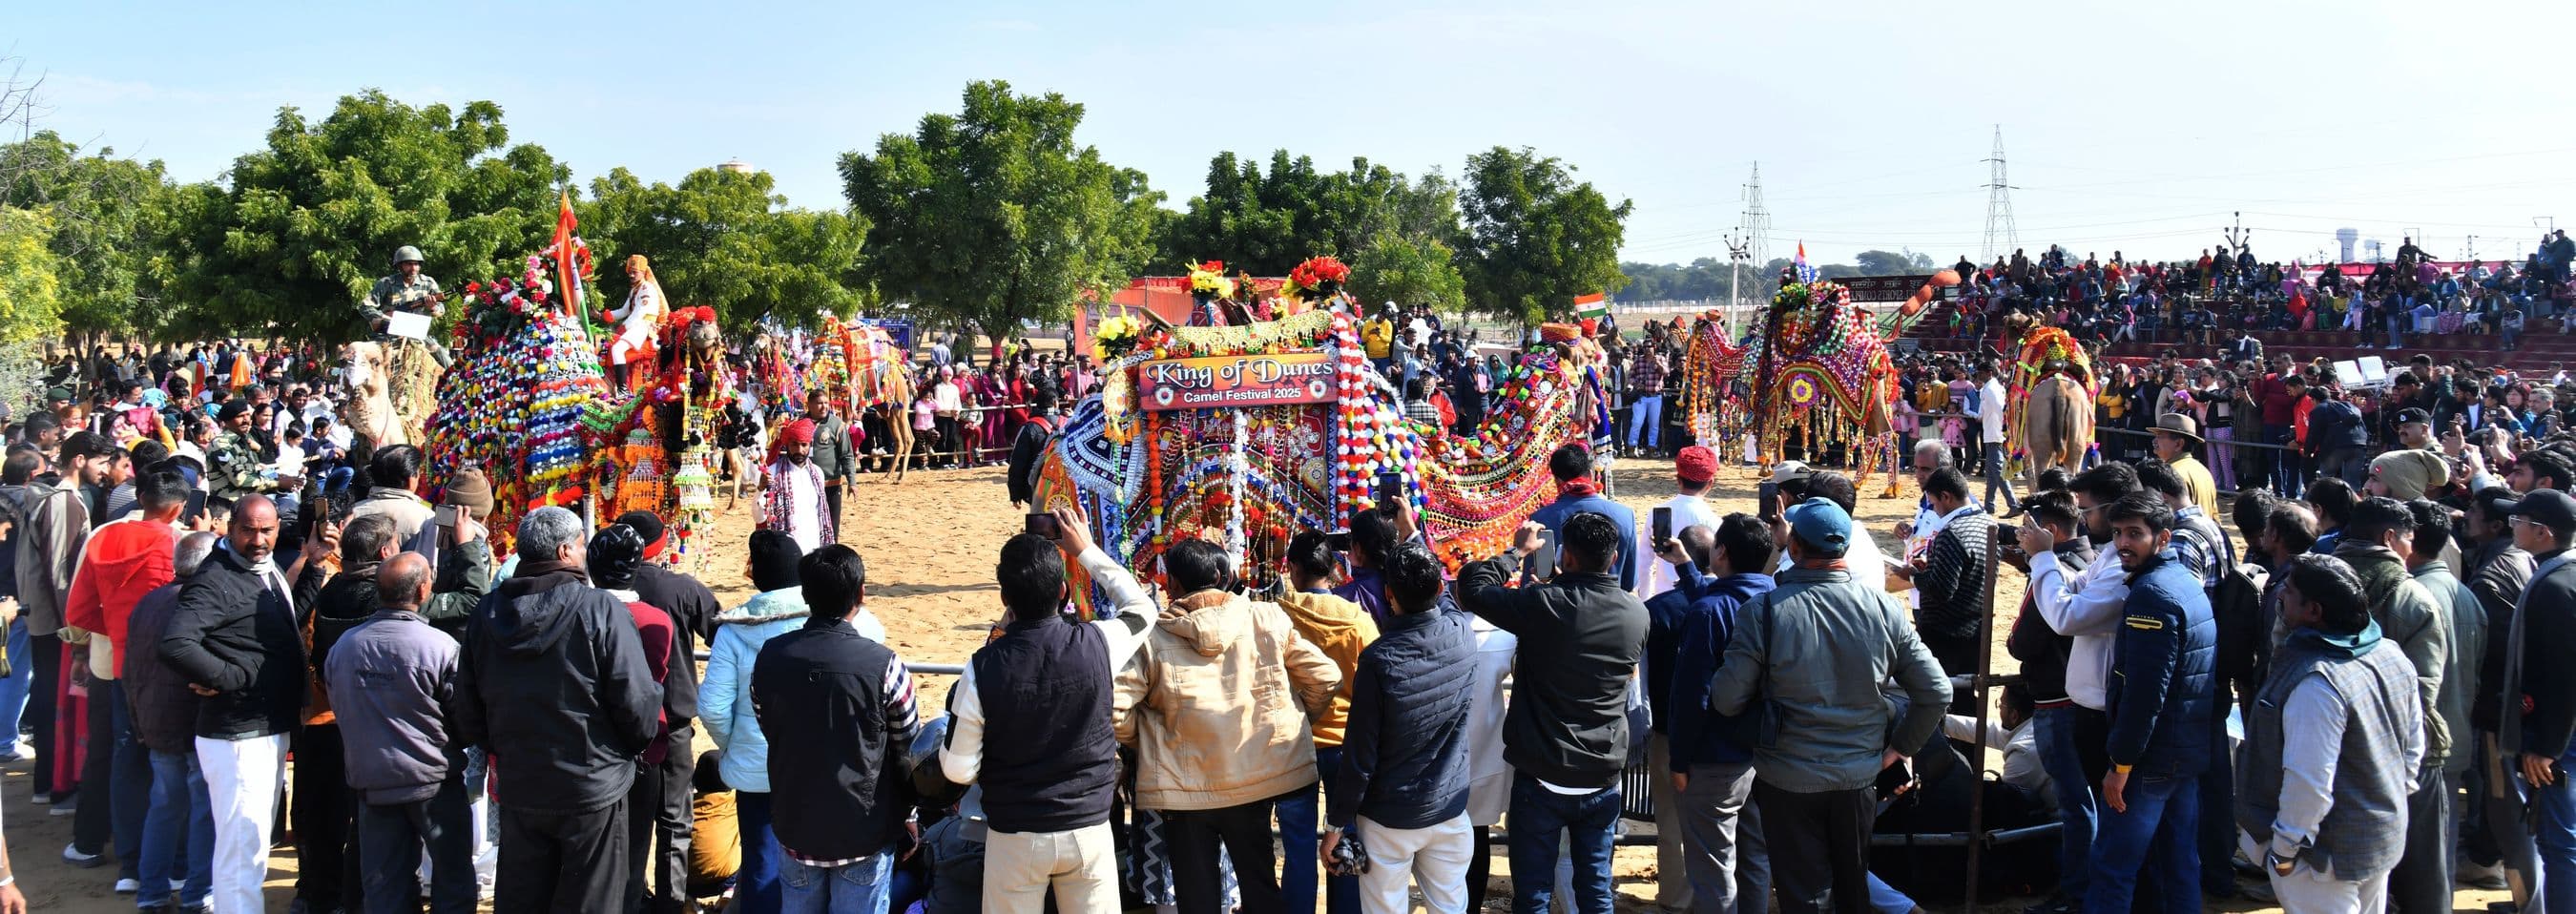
{"points": [[637, 321]]}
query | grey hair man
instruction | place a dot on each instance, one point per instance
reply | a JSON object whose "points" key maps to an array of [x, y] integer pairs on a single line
{"points": [[553, 668]]}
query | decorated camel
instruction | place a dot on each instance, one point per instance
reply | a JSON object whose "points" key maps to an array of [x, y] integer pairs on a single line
{"points": [[1245, 434], [1814, 367], [525, 401], [2048, 414], [659, 451], [859, 363]]}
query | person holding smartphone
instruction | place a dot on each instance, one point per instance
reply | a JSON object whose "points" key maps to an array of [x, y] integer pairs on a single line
{"points": [[1578, 492]]}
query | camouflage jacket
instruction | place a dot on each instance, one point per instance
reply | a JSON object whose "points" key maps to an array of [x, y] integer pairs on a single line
{"points": [[234, 468], [393, 294]]}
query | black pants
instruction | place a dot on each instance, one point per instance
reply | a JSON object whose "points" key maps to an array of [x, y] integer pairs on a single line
{"points": [[91, 821], [657, 828], [1819, 847], [562, 861], [1244, 832], [326, 822], [390, 838], [1480, 867], [949, 442], [1958, 657], [42, 699], [832, 503]]}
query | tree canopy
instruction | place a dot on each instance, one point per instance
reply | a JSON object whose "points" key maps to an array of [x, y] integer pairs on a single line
{"points": [[995, 215], [724, 239], [1264, 223], [109, 218], [1535, 237], [307, 224], [30, 289]]}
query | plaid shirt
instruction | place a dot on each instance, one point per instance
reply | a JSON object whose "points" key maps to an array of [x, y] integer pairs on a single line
{"points": [[1646, 375], [1422, 411]]}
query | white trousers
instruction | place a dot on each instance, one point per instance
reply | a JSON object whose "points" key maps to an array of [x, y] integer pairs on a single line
{"points": [[1434, 858], [2309, 891], [1080, 865], [243, 780]]}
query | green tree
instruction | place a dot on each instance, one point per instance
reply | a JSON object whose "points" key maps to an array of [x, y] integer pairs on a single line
{"points": [[994, 215], [1266, 223], [1535, 238], [305, 225], [30, 281], [1882, 263], [1408, 270], [110, 217], [726, 240]]}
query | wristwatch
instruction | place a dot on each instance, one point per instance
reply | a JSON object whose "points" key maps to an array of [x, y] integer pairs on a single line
{"points": [[2280, 865]]}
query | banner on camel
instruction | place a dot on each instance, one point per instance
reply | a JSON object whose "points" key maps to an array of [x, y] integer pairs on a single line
{"points": [[1238, 380]]}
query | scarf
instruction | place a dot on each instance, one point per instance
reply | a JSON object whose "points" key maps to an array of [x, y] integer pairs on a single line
{"points": [[1579, 487], [774, 506], [2341, 647]]}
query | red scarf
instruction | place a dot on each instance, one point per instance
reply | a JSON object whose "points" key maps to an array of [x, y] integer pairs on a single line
{"points": [[1578, 487]]}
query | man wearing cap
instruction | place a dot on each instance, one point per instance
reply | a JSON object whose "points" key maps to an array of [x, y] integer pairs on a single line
{"points": [[408, 289], [831, 453], [2414, 429], [2178, 444], [693, 610], [234, 465], [1814, 650], [2538, 692], [1693, 471], [794, 500]]}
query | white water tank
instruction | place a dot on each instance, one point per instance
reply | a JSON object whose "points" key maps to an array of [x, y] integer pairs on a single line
{"points": [[2345, 238], [737, 166]]}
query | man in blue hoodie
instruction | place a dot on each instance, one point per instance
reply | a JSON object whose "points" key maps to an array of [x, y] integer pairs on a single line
{"points": [[1717, 571], [2161, 676]]}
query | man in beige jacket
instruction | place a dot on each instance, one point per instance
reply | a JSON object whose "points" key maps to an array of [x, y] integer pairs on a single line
{"points": [[1218, 705]]}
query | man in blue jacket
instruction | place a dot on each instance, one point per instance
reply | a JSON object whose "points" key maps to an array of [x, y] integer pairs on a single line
{"points": [[1712, 772], [2161, 671], [1577, 492], [1402, 787], [2336, 435]]}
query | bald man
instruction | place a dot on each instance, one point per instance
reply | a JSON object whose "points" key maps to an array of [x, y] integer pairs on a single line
{"points": [[389, 677], [234, 639]]}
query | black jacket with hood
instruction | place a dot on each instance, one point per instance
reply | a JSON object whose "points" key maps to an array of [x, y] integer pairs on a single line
{"points": [[552, 682]]}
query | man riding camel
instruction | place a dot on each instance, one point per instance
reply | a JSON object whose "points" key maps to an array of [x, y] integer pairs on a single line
{"points": [[637, 322], [409, 290]]}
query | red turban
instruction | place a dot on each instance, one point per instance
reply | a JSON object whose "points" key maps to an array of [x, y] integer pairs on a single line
{"points": [[1696, 464], [800, 431]]}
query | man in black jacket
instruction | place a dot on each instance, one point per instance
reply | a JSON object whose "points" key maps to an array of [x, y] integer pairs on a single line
{"points": [[1028, 449], [234, 638], [1566, 737], [834, 789], [2067, 736], [326, 863], [1402, 787], [553, 683], [693, 610], [2501, 854]]}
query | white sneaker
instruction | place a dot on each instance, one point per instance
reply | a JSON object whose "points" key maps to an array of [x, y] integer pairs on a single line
{"points": [[128, 886]]}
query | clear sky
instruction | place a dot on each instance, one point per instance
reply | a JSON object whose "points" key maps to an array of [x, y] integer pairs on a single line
{"points": [[2142, 127]]}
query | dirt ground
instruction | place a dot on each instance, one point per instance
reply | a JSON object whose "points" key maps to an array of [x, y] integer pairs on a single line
{"points": [[930, 544]]}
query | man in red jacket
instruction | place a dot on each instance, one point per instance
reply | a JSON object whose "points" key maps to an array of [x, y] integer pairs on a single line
{"points": [[123, 561]]}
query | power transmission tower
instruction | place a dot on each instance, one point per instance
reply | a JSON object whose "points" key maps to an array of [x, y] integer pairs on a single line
{"points": [[1999, 217], [1757, 221]]}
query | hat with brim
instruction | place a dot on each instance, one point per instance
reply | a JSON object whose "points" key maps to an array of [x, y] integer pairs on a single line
{"points": [[2178, 424]]}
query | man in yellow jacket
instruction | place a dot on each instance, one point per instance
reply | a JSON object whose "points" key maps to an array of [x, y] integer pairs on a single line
{"points": [[1218, 704], [1341, 628]]}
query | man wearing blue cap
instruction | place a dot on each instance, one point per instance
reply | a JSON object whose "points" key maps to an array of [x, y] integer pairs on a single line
{"points": [[1805, 665]]}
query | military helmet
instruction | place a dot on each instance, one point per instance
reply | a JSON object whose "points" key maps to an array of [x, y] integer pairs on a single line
{"points": [[407, 254]]}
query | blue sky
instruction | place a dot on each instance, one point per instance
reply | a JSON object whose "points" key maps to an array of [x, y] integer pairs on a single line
{"points": [[2127, 126]]}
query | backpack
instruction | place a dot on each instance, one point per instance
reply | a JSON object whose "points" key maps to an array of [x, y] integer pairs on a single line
{"points": [[2243, 633]]}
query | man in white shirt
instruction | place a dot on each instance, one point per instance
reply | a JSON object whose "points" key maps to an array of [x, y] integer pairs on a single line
{"points": [[1990, 416], [2084, 604], [794, 501], [1693, 470]]}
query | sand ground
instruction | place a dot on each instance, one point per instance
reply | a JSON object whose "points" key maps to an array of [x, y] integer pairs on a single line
{"points": [[930, 544]]}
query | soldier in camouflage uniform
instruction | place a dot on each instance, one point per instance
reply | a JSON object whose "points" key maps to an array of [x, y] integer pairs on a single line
{"points": [[407, 290], [234, 463]]}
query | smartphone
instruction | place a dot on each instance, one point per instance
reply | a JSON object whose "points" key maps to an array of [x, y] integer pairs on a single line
{"points": [[1663, 526], [1543, 562], [1338, 541], [1043, 524], [446, 516], [1767, 496], [1389, 490]]}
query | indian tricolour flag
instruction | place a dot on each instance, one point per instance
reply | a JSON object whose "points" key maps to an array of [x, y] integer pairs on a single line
{"points": [[1594, 305]]}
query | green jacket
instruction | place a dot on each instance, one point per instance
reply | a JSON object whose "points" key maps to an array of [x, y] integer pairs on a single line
{"points": [[234, 468]]}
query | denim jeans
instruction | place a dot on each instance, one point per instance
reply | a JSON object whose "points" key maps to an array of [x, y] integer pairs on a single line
{"points": [[2287, 475], [13, 688], [1538, 817], [129, 785], [2156, 839], [1993, 464], [2554, 834], [178, 833], [863, 887], [756, 882], [1646, 412], [2054, 735], [1297, 815], [390, 840]]}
